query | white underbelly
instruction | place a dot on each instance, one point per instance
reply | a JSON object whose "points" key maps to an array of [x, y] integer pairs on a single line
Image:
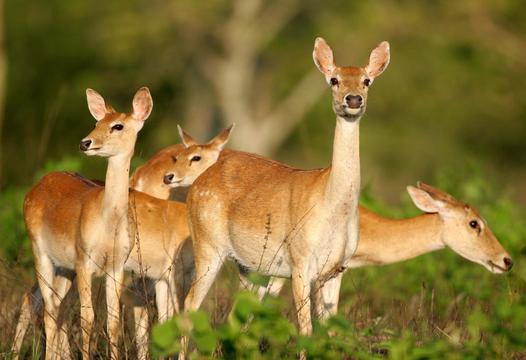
{"points": [[267, 258], [59, 249], [156, 268]]}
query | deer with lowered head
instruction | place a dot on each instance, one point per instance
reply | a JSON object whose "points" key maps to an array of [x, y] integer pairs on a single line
{"points": [[77, 225], [282, 221], [446, 222]]}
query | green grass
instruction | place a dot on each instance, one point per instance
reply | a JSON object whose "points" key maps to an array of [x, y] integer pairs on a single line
{"points": [[436, 306]]}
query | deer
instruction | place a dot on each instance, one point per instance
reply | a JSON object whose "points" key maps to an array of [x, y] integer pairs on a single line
{"points": [[77, 225], [446, 222], [148, 179], [379, 236], [281, 221]]}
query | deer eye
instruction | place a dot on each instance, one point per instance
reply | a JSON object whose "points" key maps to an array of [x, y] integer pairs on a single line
{"points": [[196, 158], [474, 224], [367, 82], [334, 81], [117, 127]]}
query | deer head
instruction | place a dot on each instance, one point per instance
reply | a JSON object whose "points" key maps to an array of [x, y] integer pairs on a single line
{"points": [[350, 84], [195, 158], [115, 133], [464, 230]]}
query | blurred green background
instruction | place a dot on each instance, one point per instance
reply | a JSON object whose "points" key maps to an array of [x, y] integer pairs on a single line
{"points": [[450, 110], [452, 94]]}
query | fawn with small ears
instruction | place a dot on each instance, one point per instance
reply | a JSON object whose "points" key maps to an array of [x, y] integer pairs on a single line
{"points": [[77, 225], [312, 214]]}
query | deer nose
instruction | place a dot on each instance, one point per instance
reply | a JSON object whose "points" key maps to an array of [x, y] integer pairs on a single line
{"points": [[168, 178], [354, 101], [508, 263], [84, 145]]}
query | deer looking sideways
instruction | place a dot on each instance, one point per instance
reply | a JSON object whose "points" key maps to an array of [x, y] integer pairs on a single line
{"points": [[312, 214], [77, 225]]}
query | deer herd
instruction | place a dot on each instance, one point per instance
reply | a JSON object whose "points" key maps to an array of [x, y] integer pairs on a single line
{"points": [[194, 206]]}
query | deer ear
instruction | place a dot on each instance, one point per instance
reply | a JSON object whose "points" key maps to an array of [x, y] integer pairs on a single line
{"points": [[378, 60], [323, 57], [185, 138], [142, 104], [222, 138], [96, 104], [438, 194], [424, 201]]}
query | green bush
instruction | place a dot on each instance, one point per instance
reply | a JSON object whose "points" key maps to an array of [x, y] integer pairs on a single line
{"points": [[258, 330]]}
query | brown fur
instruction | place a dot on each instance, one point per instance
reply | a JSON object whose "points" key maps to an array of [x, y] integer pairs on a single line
{"points": [[148, 178]]}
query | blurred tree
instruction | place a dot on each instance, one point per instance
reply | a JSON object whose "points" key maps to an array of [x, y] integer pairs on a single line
{"points": [[232, 66], [450, 94]]}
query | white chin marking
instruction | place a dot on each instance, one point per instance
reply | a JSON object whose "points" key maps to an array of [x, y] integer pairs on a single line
{"points": [[494, 269], [178, 185], [97, 153], [351, 111]]}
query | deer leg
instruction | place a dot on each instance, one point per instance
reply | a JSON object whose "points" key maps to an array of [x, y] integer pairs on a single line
{"points": [[301, 291], [275, 285], [207, 264], [162, 301], [140, 314], [114, 284], [173, 295], [87, 316], [327, 298], [141, 293], [31, 305], [46, 280], [62, 284]]}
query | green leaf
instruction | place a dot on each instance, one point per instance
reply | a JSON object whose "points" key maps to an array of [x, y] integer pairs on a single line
{"points": [[165, 337], [246, 304], [200, 321], [206, 342]]}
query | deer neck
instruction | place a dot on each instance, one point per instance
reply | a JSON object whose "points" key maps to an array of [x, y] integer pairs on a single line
{"points": [[115, 200], [387, 241], [343, 185]]}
